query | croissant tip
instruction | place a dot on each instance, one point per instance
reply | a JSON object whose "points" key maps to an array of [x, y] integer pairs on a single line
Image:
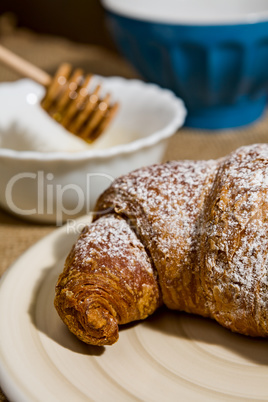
{"points": [[100, 327], [95, 325], [101, 320]]}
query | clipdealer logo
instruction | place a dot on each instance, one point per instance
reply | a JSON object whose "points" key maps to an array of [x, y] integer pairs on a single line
{"points": [[54, 199]]}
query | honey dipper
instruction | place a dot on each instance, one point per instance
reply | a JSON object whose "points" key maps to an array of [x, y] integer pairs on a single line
{"points": [[68, 99]]}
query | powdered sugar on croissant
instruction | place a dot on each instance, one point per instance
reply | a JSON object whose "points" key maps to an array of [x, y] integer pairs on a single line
{"points": [[233, 248], [203, 229]]}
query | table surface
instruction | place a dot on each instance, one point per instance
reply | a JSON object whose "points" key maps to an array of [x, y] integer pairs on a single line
{"points": [[48, 52]]}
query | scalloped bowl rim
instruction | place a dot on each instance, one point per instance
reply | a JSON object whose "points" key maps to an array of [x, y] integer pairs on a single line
{"points": [[113, 151], [159, 13]]}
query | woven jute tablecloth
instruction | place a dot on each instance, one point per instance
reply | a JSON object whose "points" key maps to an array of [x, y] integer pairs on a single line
{"points": [[48, 52]]}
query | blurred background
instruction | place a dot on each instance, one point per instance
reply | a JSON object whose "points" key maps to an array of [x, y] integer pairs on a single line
{"points": [[78, 20], [217, 68]]}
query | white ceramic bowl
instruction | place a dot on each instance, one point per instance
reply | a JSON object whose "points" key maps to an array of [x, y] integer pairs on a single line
{"points": [[56, 186]]}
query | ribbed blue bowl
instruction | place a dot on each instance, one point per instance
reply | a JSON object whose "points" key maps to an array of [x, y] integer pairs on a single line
{"points": [[220, 71]]}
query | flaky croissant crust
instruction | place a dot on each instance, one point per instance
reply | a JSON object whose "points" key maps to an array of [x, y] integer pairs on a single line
{"points": [[200, 235]]}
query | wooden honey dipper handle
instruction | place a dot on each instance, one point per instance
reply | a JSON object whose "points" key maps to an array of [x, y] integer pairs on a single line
{"points": [[24, 67]]}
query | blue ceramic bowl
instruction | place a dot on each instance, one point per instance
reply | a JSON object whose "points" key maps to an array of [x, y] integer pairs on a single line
{"points": [[212, 54]]}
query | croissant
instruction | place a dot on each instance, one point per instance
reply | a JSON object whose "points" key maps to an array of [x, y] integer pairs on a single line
{"points": [[192, 235]]}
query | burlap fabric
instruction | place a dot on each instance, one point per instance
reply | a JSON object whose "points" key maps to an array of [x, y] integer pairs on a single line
{"points": [[48, 52]]}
